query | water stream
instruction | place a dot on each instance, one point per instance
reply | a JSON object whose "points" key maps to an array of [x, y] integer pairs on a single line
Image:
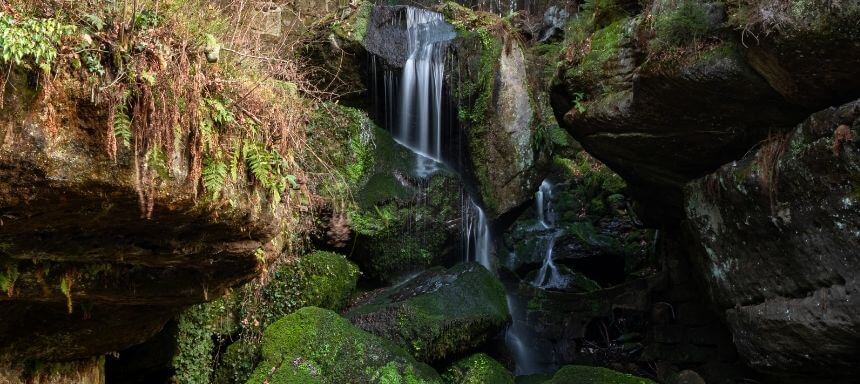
{"points": [[548, 276], [414, 103]]}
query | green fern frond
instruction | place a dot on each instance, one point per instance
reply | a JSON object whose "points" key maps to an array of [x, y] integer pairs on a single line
{"points": [[214, 176]]}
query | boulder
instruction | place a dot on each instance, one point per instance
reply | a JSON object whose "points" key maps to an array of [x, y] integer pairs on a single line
{"points": [[477, 369], [579, 374], [315, 345], [439, 313], [394, 222], [775, 236], [659, 108], [501, 120]]}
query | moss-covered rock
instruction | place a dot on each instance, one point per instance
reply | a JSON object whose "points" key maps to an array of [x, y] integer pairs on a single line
{"points": [[439, 313], [578, 374], [477, 369], [320, 279], [314, 345], [501, 113]]}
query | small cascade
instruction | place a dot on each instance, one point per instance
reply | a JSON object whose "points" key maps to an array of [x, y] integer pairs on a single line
{"points": [[548, 276], [419, 126], [477, 234]]}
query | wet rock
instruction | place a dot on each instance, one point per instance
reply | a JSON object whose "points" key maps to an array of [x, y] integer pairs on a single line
{"points": [[317, 345], [688, 377], [774, 237], [478, 368], [499, 118], [661, 113], [401, 223], [439, 313], [578, 374]]}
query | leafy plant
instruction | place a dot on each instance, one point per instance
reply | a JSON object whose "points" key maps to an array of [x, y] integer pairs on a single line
{"points": [[31, 39], [122, 125], [269, 168], [214, 176], [578, 102]]}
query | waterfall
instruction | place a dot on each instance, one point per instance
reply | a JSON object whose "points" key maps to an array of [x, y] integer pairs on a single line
{"points": [[477, 234], [419, 126], [548, 276], [414, 108]]}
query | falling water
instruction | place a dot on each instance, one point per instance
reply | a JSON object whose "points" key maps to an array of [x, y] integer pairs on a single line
{"points": [[420, 124], [477, 234], [548, 276]]}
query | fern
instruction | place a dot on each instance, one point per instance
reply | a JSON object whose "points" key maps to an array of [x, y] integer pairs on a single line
{"points": [[156, 160], [269, 168], [214, 176], [122, 125]]}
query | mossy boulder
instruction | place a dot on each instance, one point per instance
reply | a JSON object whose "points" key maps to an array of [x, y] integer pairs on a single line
{"points": [[314, 345], [477, 369], [320, 279], [389, 220], [579, 374], [439, 313], [502, 116], [617, 92]]}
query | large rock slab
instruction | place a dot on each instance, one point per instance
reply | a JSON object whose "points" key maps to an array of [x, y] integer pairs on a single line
{"points": [[663, 100], [93, 261], [439, 313], [776, 237]]}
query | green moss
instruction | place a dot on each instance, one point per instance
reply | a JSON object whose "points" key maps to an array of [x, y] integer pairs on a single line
{"points": [[578, 374], [320, 279], [238, 363], [682, 25], [438, 313], [314, 345], [478, 369], [603, 12], [588, 72]]}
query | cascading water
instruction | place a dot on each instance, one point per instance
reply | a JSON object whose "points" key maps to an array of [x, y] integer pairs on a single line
{"points": [[420, 116], [548, 276], [414, 105]]}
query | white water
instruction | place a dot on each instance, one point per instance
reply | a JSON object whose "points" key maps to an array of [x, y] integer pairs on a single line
{"points": [[420, 117], [477, 235], [548, 276]]}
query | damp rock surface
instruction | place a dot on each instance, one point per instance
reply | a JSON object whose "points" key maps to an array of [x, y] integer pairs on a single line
{"points": [[775, 238], [439, 313]]}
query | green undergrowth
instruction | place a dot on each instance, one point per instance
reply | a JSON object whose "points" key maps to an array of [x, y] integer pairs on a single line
{"points": [[314, 345], [237, 320], [477, 369]]}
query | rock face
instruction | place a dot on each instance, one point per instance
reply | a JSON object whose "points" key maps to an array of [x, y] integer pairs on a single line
{"points": [[500, 119], [316, 345], [501, 146], [81, 268], [439, 313], [662, 112], [776, 236]]}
